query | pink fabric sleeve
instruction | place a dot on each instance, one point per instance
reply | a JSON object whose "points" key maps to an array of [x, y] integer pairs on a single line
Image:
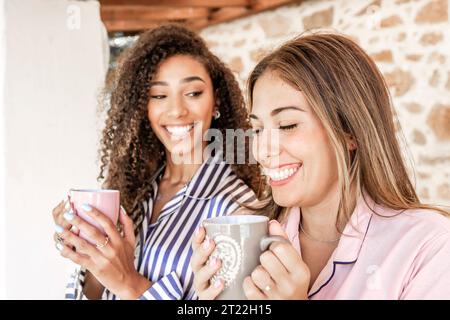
{"points": [[430, 276]]}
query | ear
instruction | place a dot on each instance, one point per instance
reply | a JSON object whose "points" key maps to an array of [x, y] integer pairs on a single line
{"points": [[351, 142]]}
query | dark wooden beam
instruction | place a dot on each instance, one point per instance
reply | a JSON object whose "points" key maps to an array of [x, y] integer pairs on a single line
{"points": [[132, 26], [137, 15], [180, 3], [226, 14], [113, 13], [229, 14], [262, 5]]}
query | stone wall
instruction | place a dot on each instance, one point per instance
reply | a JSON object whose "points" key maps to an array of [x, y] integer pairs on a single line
{"points": [[409, 40]]}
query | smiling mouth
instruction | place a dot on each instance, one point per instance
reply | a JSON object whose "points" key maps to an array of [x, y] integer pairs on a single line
{"points": [[179, 132], [282, 173]]}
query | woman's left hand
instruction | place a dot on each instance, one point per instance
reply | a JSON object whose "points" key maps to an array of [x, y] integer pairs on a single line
{"points": [[111, 264], [282, 273]]}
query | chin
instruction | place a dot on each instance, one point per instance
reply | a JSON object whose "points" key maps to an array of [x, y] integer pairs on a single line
{"points": [[285, 199]]}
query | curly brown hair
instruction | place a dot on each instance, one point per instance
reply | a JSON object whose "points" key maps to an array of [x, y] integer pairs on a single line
{"points": [[130, 152]]}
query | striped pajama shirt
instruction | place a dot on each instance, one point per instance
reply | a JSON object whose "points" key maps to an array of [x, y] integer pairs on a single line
{"points": [[163, 249]]}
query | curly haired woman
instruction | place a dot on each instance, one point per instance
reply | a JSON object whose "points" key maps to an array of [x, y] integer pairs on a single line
{"points": [[167, 92]]}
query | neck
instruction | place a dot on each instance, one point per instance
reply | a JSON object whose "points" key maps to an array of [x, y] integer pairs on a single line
{"points": [[319, 220], [181, 170]]}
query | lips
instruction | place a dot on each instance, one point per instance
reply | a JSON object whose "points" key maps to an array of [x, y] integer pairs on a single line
{"points": [[281, 173]]}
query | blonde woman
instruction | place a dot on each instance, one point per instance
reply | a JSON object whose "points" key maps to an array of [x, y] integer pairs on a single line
{"points": [[341, 191]]}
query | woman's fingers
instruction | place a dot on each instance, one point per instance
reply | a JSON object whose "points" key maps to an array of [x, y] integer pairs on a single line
{"points": [[203, 275], [296, 268], [201, 254], [58, 209], [89, 230], [128, 227], [76, 257], [251, 291], [261, 278], [285, 252], [273, 266], [58, 212], [198, 237], [104, 221], [61, 224], [212, 291], [81, 245], [287, 255], [59, 240], [202, 248]]}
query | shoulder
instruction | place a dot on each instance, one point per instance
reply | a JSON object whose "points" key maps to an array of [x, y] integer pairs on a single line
{"points": [[427, 220], [434, 227], [417, 226]]}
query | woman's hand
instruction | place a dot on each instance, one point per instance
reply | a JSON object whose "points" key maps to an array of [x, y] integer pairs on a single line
{"points": [[92, 288], [202, 248], [282, 273], [111, 260], [60, 223]]}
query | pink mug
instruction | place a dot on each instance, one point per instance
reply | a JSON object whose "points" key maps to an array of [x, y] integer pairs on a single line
{"points": [[105, 200]]}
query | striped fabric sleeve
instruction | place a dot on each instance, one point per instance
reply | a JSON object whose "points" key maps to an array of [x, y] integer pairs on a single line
{"points": [[167, 288], [74, 288]]}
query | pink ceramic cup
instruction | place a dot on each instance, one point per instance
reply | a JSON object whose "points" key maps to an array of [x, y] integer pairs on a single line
{"points": [[105, 200]]}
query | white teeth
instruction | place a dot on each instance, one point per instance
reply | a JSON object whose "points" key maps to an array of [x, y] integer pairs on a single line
{"points": [[277, 174], [179, 130]]}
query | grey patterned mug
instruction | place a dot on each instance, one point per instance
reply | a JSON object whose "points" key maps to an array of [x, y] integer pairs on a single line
{"points": [[240, 240]]}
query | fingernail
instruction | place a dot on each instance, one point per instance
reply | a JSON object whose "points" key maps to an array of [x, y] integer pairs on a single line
{"points": [[206, 244], [58, 228], [86, 207], [213, 262], [59, 246], [218, 283], [67, 205], [123, 210], [68, 216]]}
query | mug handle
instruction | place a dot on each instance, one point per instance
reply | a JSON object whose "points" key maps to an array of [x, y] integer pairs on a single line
{"points": [[268, 240]]}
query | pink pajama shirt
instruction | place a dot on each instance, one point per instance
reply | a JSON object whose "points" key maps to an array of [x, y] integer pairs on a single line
{"points": [[405, 256]]}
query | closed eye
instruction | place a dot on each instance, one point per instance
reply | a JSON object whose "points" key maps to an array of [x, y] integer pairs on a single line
{"points": [[289, 127]]}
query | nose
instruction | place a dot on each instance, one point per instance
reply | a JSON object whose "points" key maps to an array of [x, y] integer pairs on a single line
{"points": [[177, 109], [268, 147]]}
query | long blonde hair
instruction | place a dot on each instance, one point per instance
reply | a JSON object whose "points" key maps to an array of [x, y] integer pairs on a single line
{"points": [[348, 93]]}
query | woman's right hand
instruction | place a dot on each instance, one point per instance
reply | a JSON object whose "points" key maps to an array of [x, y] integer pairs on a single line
{"points": [[202, 248]]}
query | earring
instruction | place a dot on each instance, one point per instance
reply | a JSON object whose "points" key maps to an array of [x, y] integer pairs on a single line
{"points": [[216, 115]]}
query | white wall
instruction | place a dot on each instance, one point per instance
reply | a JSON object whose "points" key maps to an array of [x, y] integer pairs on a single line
{"points": [[56, 59], [2, 158]]}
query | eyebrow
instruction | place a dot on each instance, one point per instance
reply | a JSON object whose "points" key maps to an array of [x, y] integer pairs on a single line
{"points": [[184, 80], [278, 110]]}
